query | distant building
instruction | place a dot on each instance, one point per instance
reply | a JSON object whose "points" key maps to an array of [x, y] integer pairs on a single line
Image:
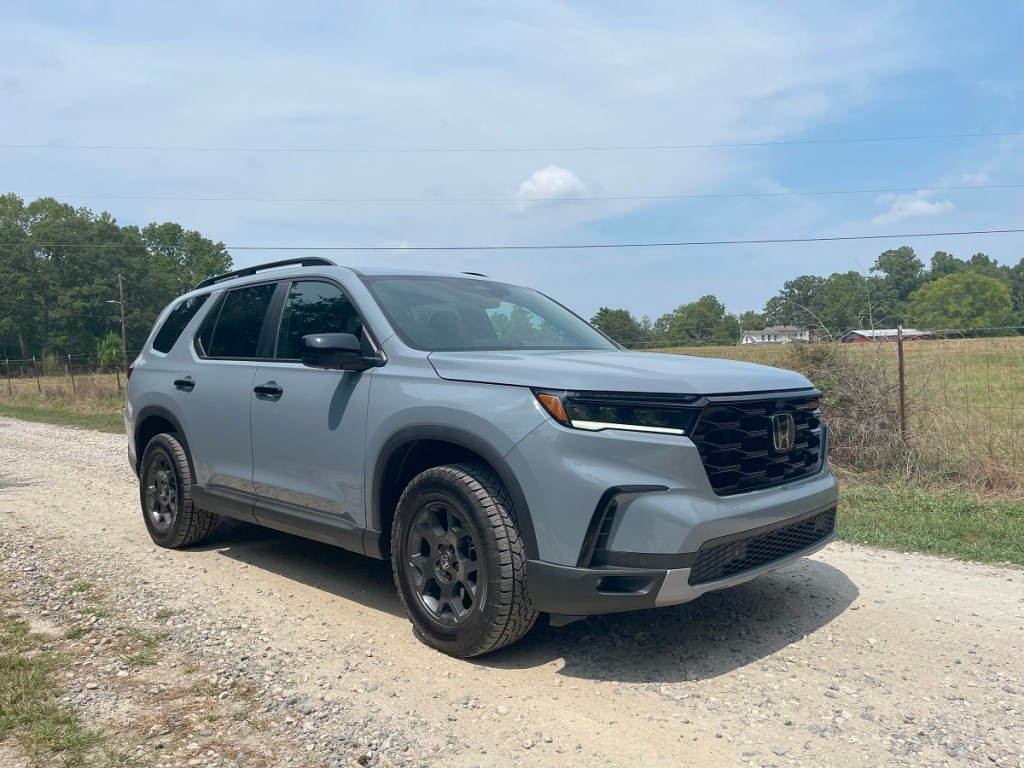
{"points": [[882, 334], [777, 334]]}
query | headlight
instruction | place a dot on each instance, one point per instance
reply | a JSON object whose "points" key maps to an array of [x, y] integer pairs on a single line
{"points": [[596, 411]]}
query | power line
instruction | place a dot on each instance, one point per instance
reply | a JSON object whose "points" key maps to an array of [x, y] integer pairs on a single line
{"points": [[467, 150], [379, 200], [555, 247]]}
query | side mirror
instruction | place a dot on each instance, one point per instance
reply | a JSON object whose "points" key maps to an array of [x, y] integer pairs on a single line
{"points": [[336, 352]]}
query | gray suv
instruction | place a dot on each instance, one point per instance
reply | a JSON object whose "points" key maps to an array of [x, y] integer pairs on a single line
{"points": [[505, 456]]}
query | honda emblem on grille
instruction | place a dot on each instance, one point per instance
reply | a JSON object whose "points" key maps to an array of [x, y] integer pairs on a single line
{"points": [[783, 432]]}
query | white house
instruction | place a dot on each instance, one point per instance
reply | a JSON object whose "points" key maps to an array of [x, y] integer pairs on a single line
{"points": [[777, 334]]}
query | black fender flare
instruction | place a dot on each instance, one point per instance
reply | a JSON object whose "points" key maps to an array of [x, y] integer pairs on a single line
{"points": [[470, 442], [151, 411]]}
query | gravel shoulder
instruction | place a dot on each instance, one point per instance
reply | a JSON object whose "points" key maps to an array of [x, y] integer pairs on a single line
{"points": [[276, 650]]}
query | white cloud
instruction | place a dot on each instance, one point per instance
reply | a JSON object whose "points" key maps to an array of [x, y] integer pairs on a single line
{"points": [[911, 206], [551, 183], [975, 179]]}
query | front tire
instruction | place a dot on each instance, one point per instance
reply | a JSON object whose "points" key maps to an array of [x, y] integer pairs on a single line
{"points": [[459, 562], [165, 490]]}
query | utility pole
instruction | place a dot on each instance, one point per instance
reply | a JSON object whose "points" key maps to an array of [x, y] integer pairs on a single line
{"points": [[124, 338]]}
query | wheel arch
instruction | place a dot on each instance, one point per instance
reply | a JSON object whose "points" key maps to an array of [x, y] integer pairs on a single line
{"points": [[150, 422], [414, 449]]}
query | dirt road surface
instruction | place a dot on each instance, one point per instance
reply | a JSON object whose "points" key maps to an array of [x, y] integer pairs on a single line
{"points": [[852, 657]]}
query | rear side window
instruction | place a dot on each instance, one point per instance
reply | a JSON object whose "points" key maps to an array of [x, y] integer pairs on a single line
{"points": [[235, 330], [175, 323], [314, 307]]}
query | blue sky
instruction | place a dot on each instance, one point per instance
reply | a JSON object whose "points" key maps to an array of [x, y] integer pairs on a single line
{"points": [[481, 75]]}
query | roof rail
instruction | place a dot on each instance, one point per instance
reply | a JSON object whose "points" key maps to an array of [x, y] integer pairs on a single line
{"points": [[475, 274], [305, 261]]}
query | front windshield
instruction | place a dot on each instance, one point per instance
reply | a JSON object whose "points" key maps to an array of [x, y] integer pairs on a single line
{"points": [[454, 313]]}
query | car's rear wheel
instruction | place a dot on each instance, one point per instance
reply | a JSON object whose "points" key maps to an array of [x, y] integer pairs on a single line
{"points": [[459, 562], [165, 490]]}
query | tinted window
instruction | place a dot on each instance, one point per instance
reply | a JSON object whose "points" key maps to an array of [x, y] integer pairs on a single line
{"points": [[235, 331], [314, 307], [176, 322], [438, 313]]}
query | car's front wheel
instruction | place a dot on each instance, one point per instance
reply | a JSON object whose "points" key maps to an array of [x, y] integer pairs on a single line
{"points": [[165, 490], [459, 562]]}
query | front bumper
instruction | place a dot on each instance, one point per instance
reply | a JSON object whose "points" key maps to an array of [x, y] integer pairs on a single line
{"points": [[718, 564]]}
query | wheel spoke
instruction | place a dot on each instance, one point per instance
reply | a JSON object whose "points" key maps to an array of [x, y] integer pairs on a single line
{"points": [[421, 567]]}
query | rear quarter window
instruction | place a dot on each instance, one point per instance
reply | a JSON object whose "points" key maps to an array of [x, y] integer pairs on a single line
{"points": [[175, 323]]}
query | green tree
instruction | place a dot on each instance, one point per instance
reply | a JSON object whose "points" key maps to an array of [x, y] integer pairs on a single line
{"points": [[184, 254], [109, 353], [799, 303], [903, 271], [751, 320], [1014, 279], [983, 264], [943, 264], [620, 325], [904, 274], [700, 322], [61, 267], [21, 288], [852, 300], [962, 301]]}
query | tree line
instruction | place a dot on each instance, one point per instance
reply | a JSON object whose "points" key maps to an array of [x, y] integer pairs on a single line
{"points": [[949, 294], [60, 267]]}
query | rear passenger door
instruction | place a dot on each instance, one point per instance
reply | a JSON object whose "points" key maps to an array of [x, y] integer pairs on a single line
{"points": [[217, 392], [309, 425]]}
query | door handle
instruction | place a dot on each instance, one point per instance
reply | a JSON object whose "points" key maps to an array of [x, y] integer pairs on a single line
{"points": [[186, 385], [271, 390]]}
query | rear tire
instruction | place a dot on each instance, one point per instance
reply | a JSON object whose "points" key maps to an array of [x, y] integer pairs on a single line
{"points": [[165, 491], [459, 562]]}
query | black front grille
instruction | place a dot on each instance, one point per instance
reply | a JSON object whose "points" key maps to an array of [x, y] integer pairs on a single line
{"points": [[729, 556], [735, 441]]}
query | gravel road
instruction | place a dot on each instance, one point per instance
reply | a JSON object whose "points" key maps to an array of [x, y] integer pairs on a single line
{"points": [[266, 649]]}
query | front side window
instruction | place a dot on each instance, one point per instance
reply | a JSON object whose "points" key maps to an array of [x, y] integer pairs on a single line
{"points": [[235, 330], [314, 307], [453, 313]]}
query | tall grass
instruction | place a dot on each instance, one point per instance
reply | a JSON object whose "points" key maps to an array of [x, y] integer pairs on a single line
{"points": [[91, 401]]}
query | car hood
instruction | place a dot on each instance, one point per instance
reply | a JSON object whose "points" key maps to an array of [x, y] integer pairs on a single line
{"points": [[615, 371]]}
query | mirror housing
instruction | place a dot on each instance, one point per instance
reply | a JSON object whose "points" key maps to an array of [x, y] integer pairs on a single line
{"points": [[336, 352]]}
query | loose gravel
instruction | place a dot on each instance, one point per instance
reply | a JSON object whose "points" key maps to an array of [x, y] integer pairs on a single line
{"points": [[261, 649]]}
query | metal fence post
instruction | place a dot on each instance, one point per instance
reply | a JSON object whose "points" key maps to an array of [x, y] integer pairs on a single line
{"points": [[35, 372], [7, 365], [71, 371], [902, 384]]}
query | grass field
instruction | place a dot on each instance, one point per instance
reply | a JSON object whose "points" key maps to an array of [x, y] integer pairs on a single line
{"points": [[94, 402]]}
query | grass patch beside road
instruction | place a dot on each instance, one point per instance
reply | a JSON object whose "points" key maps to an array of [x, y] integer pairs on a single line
{"points": [[29, 710], [945, 523], [64, 416], [90, 401]]}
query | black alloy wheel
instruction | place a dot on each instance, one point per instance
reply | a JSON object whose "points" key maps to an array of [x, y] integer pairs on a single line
{"points": [[444, 564], [459, 562], [165, 490]]}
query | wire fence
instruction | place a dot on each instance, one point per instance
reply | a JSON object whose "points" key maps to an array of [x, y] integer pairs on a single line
{"points": [[59, 372]]}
